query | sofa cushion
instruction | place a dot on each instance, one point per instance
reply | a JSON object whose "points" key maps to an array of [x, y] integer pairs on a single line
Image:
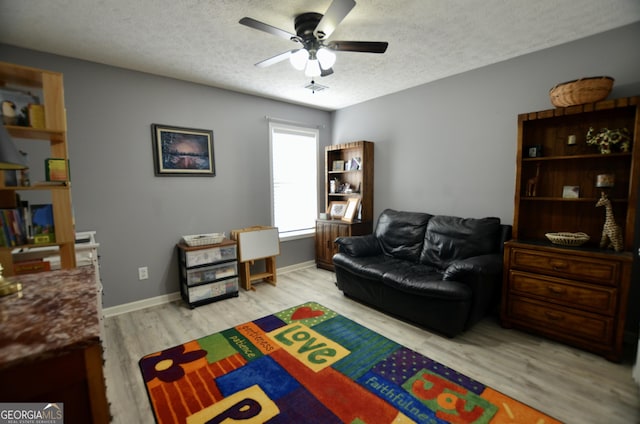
{"points": [[401, 234], [425, 280], [450, 238], [370, 267]]}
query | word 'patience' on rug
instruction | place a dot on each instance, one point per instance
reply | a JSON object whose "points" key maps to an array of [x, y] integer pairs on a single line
{"points": [[308, 364]]}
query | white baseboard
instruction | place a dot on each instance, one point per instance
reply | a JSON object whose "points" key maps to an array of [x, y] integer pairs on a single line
{"points": [[172, 297]]}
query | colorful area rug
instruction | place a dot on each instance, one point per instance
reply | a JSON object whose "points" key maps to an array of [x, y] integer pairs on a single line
{"points": [[308, 364]]}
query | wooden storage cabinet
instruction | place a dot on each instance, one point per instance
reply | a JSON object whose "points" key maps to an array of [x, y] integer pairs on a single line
{"points": [[554, 295], [50, 86], [327, 231], [208, 273], [577, 295], [347, 165]]}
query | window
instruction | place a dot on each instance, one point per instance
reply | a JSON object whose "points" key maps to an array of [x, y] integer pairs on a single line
{"points": [[294, 179]]}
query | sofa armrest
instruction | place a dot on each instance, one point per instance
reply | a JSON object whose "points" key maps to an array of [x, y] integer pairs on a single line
{"points": [[358, 246], [483, 265], [483, 275]]}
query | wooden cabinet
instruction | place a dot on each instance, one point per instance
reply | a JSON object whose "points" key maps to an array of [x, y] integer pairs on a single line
{"points": [[348, 174], [577, 295], [50, 86], [326, 233], [208, 273]]}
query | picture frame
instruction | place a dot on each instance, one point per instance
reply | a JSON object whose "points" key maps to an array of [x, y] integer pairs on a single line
{"points": [[570, 192], [534, 151], [351, 210], [336, 209], [180, 151], [337, 165]]}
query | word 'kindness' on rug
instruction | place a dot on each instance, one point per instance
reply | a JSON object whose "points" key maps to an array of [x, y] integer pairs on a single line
{"points": [[308, 364]]}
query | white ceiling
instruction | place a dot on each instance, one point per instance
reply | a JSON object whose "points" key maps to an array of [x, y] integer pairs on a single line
{"points": [[202, 41]]}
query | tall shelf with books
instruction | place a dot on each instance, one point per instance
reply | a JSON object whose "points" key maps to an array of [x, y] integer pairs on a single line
{"points": [[348, 177], [54, 132]]}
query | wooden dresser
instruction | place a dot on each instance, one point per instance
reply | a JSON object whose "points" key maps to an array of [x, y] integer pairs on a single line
{"points": [[574, 296], [50, 344]]}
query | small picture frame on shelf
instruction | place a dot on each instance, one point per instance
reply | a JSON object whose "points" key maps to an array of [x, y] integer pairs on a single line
{"points": [[570, 192], [337, 209], [351, 209], [338, 165], [355, 163], [534, 151]]}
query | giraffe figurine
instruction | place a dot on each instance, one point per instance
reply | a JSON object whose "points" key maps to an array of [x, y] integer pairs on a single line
{"points": [[532, 183], [611, 232]]}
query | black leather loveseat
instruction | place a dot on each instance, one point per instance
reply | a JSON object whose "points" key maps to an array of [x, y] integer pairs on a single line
{"points": [[441, 272]]}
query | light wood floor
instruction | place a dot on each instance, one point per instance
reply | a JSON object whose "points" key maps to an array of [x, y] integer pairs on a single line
{"points": [[571, 385]]}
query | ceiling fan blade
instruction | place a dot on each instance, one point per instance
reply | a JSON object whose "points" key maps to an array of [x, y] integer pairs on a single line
{"points": [[332, 17], [275, 59], [359, 46], [326, 72], [261, 26]]}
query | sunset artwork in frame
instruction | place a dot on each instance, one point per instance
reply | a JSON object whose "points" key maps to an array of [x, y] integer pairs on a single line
{"points": [[182, 151]]}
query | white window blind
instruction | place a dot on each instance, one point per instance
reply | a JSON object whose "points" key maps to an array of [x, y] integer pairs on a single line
{"points": [[294, 178]]}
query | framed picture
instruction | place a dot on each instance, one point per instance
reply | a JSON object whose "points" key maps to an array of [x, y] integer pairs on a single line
{"points": [[337, 209], [534, 151], [570, 192], [351, 209], [337, 165], [182, 151]]}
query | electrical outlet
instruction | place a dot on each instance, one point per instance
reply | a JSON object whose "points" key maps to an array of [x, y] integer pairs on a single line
{"points": [[143, 273]]}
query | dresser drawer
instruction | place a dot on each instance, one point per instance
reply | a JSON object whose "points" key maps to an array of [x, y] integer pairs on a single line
{"points": [[572, 324], [566, 265], [599, 299]]}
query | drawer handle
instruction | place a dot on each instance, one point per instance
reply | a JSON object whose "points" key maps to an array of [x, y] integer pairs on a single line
{"points": [[556, 290], [553, 316], [559, 266]]}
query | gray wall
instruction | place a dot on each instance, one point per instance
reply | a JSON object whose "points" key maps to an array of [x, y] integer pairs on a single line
{"points": [[139, 217], [445, 147], [449, 147]]}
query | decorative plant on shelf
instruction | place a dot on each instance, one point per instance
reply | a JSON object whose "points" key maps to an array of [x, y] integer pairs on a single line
{"points": [[605, 139]]}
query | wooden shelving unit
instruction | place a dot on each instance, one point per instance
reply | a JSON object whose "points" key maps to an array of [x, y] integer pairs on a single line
{"points": [[577, 295], [50, 85], [360, 183]]}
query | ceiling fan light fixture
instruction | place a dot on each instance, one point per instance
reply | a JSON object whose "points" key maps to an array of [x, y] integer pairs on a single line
{"points": [[298, 59], [313, 68], [326, 57]]}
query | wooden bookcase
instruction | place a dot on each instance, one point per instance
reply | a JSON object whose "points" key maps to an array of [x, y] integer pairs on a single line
{"points": [[577, 295], [348, 165], [50, 86]]}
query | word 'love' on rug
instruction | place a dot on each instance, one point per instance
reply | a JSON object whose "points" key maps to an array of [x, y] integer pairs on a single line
{"points": [[308, 364]]}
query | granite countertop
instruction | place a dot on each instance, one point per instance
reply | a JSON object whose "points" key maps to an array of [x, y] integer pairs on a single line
{"points": [[56, 312]]}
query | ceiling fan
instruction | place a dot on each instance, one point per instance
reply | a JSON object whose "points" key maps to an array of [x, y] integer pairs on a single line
{"points": [[316, 54]]}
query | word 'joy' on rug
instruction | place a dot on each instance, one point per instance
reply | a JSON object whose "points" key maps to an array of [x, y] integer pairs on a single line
{"points": [[308, 364]]}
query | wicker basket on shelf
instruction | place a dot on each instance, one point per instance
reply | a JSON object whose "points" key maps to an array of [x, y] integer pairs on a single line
{"points": [[568, 239], [581, 91], [203, 239]]}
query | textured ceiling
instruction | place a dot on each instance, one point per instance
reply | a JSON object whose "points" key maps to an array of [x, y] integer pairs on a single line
{"points": [[201, 40]]}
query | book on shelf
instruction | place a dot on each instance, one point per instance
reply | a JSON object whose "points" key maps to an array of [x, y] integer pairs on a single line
{"points": [[42, 225], [56, 169], [31, 266], [14, 228]]}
